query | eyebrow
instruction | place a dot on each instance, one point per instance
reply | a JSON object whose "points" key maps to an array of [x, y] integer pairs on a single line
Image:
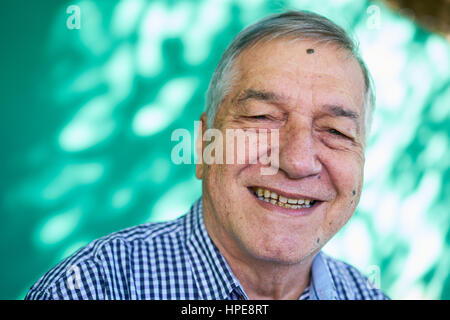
{"points": [[258, 95], [339, 111]]}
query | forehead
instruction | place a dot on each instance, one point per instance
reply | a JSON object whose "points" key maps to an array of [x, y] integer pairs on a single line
{"points": [[293, 70]]}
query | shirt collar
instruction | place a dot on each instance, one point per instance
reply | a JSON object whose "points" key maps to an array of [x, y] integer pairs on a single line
{"points": [[326, 278], [322, 283]]}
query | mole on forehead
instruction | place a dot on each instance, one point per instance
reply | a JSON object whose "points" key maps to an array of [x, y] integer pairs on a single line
{"points": [[309, 51]]}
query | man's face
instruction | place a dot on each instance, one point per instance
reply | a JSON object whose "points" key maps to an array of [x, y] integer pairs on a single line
{"points": [[315, 100]]}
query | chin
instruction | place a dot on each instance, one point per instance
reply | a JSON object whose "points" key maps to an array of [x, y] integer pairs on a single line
{"points": [[283, 259], [285, 254]]}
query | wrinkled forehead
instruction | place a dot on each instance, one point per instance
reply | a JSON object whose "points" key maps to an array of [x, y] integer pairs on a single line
{"points": [[283, 62]]}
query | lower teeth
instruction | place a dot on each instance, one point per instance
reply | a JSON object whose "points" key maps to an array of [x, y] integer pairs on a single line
{"points": [[286, 205]]}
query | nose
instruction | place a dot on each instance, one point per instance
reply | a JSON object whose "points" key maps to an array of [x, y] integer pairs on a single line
{"points": [[298, 153]]}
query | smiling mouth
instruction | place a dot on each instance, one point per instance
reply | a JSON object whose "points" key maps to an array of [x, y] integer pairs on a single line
{"points": [[281, 201]]}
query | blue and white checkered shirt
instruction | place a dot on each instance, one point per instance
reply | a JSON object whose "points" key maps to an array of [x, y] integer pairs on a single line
{"points": [[176, 260]]}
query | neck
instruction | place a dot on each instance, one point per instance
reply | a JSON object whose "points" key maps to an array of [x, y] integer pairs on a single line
{"points": [[263, 280]]}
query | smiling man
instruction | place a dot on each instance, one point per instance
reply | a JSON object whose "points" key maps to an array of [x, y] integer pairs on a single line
{"points": [[253, 235]]}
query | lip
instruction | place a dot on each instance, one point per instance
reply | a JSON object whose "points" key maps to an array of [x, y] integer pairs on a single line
{"points": [[287, 211], [287, 194]]}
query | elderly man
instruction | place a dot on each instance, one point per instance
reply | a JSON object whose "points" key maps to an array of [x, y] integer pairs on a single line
{"points": [[254, 235]]}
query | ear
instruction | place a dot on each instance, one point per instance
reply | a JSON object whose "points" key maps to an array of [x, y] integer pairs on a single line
{"points": [[199, 145]]}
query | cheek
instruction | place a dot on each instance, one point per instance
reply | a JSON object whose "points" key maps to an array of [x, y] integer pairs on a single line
{"points": [[218, 198], [346, 175], [346, 171], [222, 185], [215, 177], [348, 182]]}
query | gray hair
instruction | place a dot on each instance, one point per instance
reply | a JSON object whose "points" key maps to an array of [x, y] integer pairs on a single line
{"points": [[301, 25]]}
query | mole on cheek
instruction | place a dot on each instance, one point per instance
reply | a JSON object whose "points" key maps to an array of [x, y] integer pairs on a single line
{"points": [[353, 192], [309, 51]]}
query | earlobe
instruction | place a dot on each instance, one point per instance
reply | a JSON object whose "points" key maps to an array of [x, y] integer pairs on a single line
{"points": [[199, 146], [199, 171]]}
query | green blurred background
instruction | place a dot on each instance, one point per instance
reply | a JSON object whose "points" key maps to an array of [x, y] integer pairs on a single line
{"points": [[87, 116]]}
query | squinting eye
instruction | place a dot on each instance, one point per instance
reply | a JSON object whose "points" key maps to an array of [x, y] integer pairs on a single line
{"points": [[261, 117], [338, 133]]}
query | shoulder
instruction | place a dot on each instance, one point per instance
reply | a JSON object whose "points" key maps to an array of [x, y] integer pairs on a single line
{"points": [[85, 274], [350, 283]]}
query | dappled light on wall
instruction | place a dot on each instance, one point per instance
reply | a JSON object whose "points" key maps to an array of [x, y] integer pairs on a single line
{"points": [[109, 90]]}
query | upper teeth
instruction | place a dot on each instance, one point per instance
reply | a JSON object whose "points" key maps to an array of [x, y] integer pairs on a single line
{"points": [[272, 197]]}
